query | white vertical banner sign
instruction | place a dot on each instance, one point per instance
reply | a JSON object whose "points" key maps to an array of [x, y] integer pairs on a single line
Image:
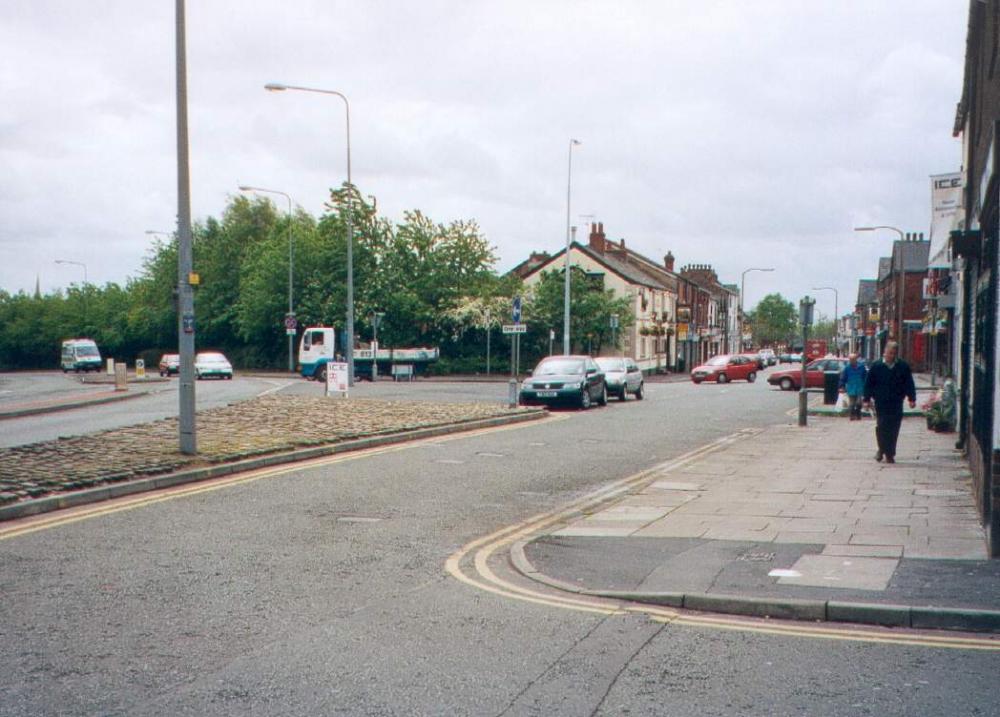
{"points": [[946, 212], [337, 378]]}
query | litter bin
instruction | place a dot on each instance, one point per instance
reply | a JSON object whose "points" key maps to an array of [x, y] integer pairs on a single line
{"points": [[831, 387]]}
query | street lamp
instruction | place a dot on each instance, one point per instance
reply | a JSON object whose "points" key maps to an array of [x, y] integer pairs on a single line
{"points": [[155, 232], [291, 260], [76, 263], [743, 284], [836, 314], [376, 318], [86, 301], [569, 179], [899, 282], [278, 87]]}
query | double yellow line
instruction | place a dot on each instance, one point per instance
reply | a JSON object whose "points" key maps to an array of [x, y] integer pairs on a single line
{"points": [[70, 516], [471, 566]]}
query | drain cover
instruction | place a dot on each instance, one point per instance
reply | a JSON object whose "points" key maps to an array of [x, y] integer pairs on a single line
{"points": [[752, 557]]}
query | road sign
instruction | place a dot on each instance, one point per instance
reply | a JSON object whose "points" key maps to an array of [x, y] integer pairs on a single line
{"points": [[336, 378], [516, 310], [614, 321], [515, 328], [291, 323]]}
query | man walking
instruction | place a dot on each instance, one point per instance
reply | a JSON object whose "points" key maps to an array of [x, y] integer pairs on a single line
{"points": [[889, 381], [852, 382]]}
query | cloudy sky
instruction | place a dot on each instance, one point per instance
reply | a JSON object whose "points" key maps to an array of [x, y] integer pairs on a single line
{"points": [[729, 132]]}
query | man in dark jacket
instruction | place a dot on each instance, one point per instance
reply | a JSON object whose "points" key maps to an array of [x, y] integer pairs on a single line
{"points": [[889, 381]]}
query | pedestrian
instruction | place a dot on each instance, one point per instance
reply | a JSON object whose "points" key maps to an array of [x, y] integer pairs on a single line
{"points": [[852, 383], [889, 382]]}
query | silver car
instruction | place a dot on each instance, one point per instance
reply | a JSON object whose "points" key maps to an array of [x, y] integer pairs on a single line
{"points": [[622, 376]]}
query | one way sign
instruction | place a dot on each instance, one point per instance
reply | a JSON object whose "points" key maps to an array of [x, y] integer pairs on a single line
{"points": [[516, 310]]}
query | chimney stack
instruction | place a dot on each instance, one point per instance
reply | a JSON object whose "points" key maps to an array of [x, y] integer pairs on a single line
{"points": [[668, 261], [597, 241]]}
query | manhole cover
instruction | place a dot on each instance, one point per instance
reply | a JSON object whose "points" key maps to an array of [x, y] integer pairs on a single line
{"points": [[752, 557]]}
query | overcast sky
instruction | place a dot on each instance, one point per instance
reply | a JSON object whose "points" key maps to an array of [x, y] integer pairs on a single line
{"points": [[731, 133]]}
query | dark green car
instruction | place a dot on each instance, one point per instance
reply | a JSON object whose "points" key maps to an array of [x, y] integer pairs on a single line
{"points": [[565, 380]]}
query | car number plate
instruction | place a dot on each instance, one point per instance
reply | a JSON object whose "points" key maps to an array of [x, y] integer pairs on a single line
{"points": [[548, 394]]}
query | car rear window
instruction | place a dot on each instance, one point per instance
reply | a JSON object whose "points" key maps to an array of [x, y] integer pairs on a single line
{"points": [[612, 364]]}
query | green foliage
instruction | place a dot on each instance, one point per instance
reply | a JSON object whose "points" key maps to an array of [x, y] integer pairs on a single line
{"points": [[434, 282], [773, 321]]}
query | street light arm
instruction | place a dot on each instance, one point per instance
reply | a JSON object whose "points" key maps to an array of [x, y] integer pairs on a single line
{"points": [[881, 226]]}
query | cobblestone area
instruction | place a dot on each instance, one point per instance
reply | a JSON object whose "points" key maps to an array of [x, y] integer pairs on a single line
{"points": [[269, 424]]}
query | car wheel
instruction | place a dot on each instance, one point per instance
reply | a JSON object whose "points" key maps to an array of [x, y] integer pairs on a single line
{"points": [[638, 393], [696, 380], [751, 377], [723, 378], [585, 399], [320, 373], [229, 377], [786, 384], [603, 400], [623, 395]]}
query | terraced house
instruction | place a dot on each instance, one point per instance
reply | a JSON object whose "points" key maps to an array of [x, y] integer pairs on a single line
{"points": [[676, 318]]}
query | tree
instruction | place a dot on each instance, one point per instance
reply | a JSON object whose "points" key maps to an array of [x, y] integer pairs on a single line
{"points": [[591, 309], [773, 321]]}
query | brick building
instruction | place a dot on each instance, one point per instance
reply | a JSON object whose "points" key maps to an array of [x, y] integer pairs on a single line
{"points": [[974, 248]]}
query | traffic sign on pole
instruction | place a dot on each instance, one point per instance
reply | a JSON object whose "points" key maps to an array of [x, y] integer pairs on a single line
{"points": [[516, 310], [515, 328]]}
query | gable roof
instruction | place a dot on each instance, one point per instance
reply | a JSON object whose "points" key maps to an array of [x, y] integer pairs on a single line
{"points": [[867, 292], [884, 267], [628, 272], [911, 255]]}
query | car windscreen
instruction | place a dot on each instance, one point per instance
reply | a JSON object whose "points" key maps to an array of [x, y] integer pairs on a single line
{"points": [[718, 361], [612, 364], [557, 367], [211, 358], [87, 351]]}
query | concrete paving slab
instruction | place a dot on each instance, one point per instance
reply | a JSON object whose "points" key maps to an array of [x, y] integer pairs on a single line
{"points": [[864, 551], [833, 571]]}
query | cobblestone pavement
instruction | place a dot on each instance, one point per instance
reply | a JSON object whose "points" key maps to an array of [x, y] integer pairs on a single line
{"points": [[269, 424]]}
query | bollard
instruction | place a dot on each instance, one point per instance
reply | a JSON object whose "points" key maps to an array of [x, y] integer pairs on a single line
{"points": [[512, 393], [110, 366], [121, 377], [140, 368]]}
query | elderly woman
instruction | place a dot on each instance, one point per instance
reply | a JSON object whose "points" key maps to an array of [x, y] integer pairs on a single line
{"points": [[852, 382]]}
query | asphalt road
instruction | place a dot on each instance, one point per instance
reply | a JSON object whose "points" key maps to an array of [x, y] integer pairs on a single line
{"points": [[322, 590]]}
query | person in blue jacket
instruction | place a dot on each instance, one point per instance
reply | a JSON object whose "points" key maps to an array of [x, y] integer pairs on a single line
{"points": [[889, 382], [852, 382]]}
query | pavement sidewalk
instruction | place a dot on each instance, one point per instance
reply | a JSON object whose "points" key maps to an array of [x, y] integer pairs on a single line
{"points": [[792, 522]]}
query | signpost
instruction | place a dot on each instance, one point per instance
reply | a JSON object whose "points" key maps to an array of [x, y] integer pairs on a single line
{"points": [[515, 345], [806, 319], [614, 332]]}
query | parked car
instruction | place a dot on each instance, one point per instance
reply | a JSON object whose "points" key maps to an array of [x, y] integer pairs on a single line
{"points": [[576, 380], [622, 377], [784, 358], [757, 360], [791, 379], [212, 363], [170, 364], [725, 368], [768, 355], [795, 358]]}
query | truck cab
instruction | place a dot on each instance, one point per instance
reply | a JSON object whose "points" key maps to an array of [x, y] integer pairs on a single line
{"points": [[316, 349]]}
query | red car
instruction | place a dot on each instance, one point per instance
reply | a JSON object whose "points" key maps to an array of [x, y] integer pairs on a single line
{"points": [[726, 368], [791, 380]]}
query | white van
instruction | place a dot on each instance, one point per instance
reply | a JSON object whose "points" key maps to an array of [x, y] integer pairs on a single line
{"points": [[80, 355]]}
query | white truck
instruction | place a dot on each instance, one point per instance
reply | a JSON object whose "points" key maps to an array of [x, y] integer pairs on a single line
{"points": [[317, 348]]}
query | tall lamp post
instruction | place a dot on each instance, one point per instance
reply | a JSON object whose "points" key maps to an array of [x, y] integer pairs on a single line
{"points": [[85, 282], [569, 179], [291, 263], [836, 313], [899, 283], [349, 352], [376, 318], [743, 285]]}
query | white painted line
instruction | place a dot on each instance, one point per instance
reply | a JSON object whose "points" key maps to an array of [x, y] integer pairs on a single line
{"points": [[782, 573]]}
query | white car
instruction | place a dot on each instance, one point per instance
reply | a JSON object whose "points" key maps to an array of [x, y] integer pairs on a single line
{"points": [[212, 363], [769, 357], [622, 377]]}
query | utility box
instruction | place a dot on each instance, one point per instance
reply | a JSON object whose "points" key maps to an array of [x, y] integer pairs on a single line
{"points": [[831, 387]]}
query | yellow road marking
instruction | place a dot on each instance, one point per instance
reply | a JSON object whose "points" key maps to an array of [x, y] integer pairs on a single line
{"points": [[29, 525], [485, 547]]}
